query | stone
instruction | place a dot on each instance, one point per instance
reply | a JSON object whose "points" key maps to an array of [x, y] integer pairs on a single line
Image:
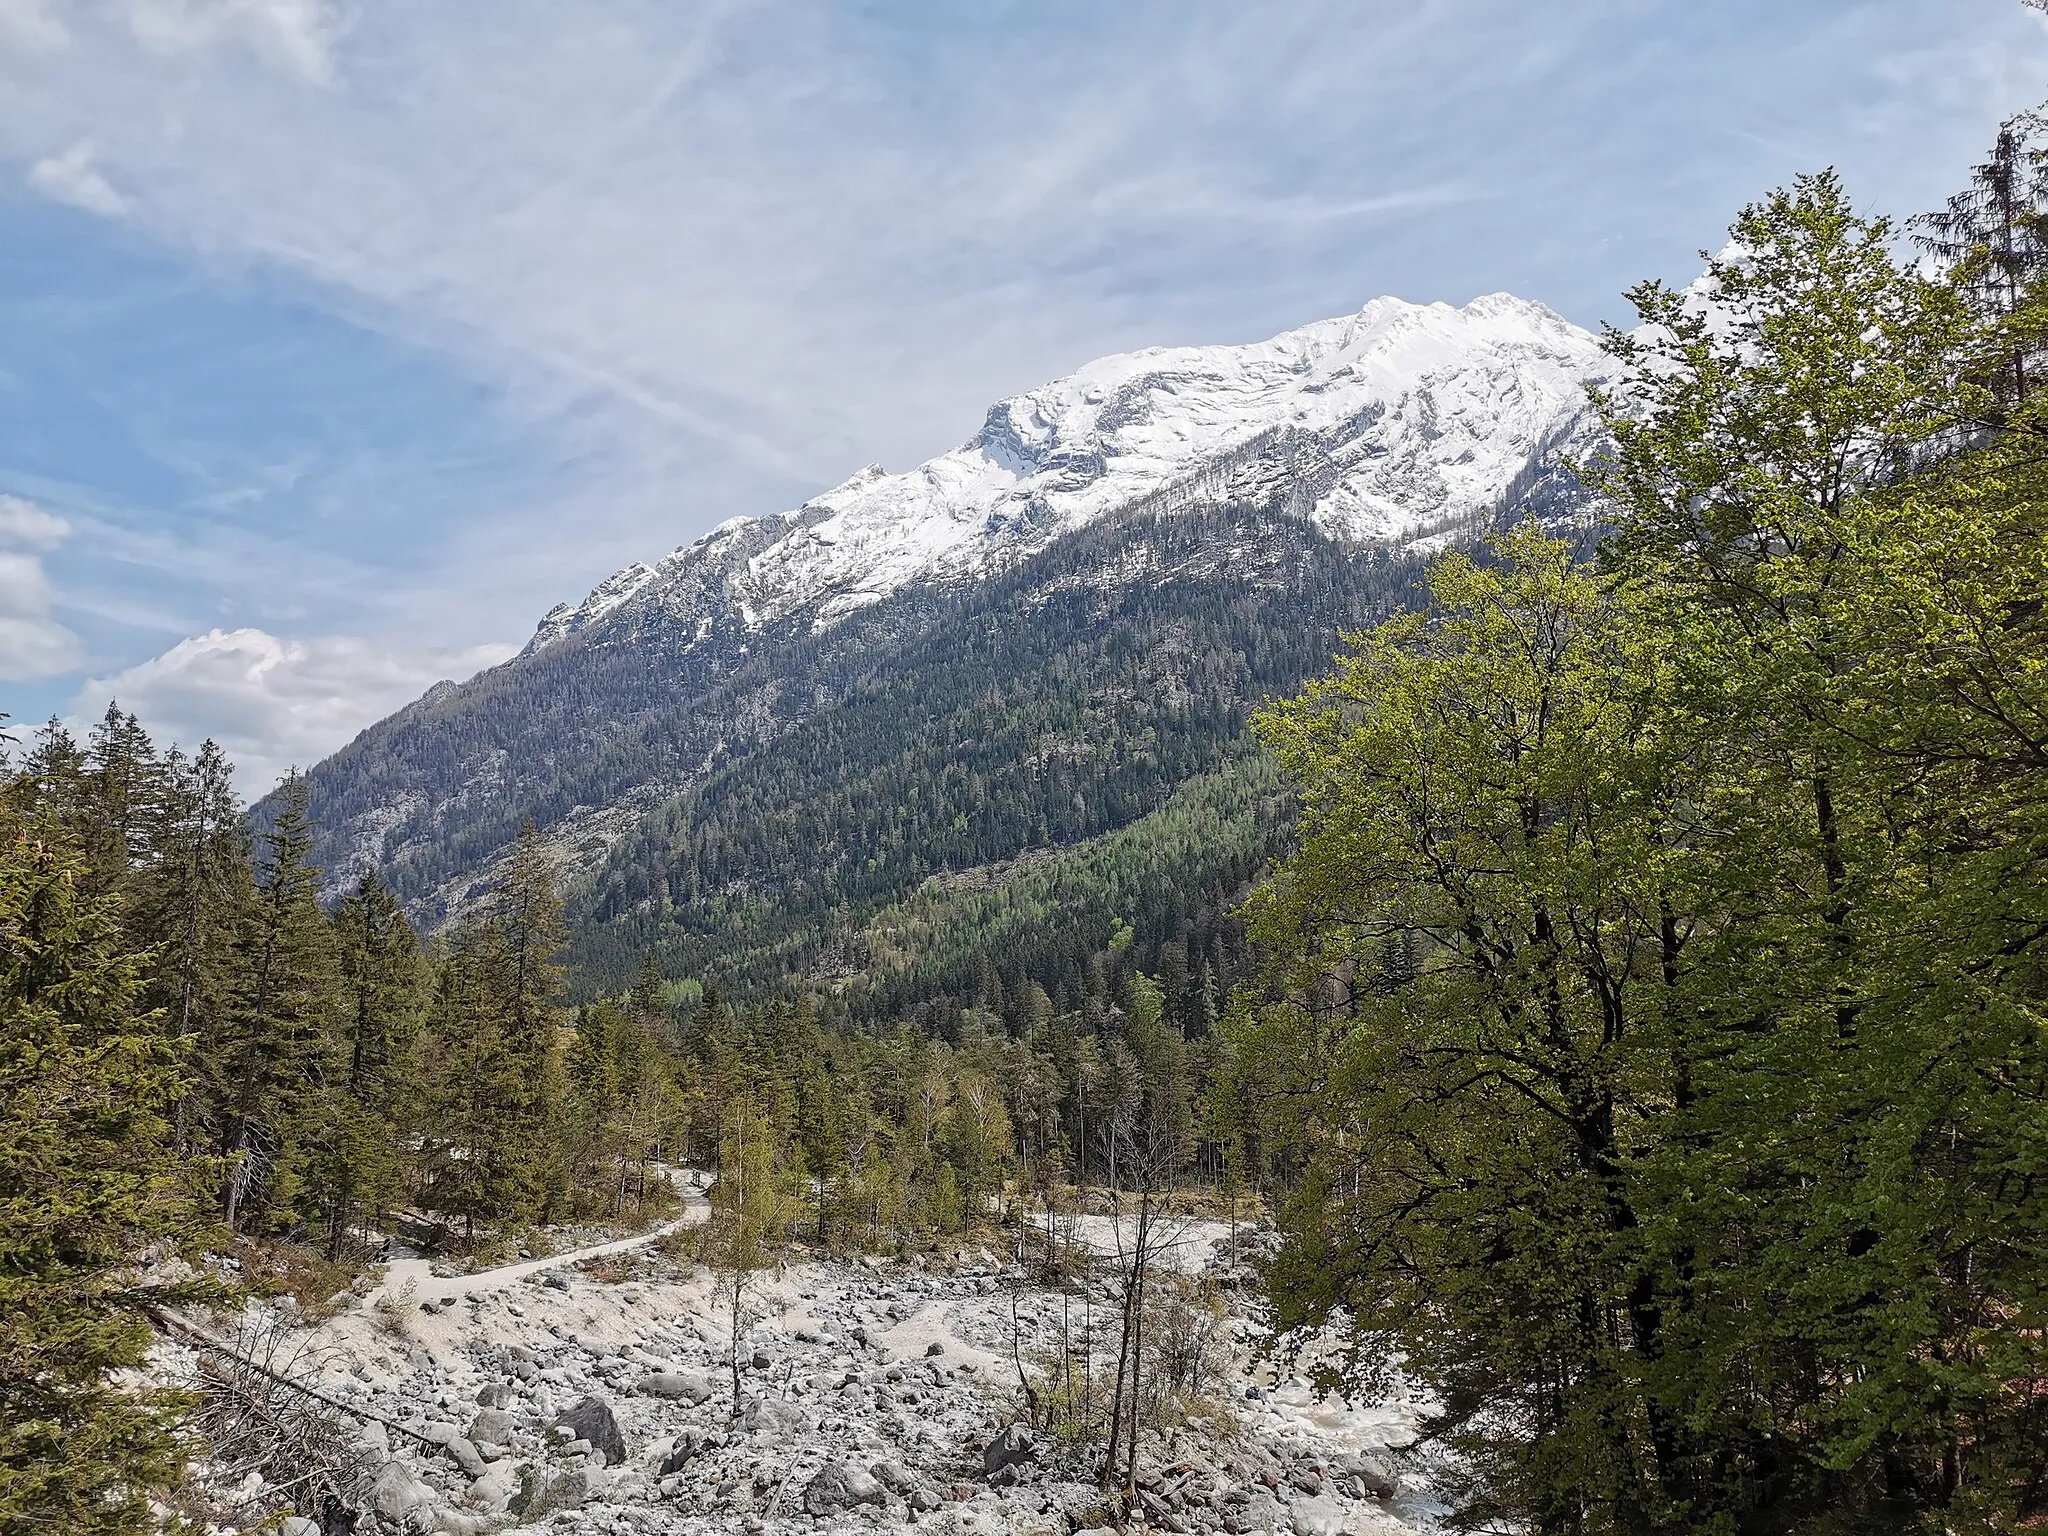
{"points": [[491, 1426], [494, 1491], [774, 1416], [1318, 1516], [894, 1476], [1014, 1443], [838, 1486], [591, 1418], [466, 1456], [677, 1386], [1369, 1472], [396, 1493]]}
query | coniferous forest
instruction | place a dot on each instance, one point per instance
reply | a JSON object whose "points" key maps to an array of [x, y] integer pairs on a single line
{"points": [[1621, 980]]}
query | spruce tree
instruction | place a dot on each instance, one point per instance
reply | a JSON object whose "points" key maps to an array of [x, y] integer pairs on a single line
{"points": [[274, 1057], [370, 1104], [88, 1180]]}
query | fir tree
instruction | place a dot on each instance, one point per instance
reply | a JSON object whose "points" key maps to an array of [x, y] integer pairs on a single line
{"points": [[88, 1179]]}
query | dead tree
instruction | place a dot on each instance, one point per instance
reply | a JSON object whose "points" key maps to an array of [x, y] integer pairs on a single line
{"points": [[260, 1409]]}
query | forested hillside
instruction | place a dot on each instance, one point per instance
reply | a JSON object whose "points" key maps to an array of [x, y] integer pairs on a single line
{"points": [[975, 740]]}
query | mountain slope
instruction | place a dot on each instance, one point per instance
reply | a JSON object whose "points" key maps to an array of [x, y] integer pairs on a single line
{"points": [[748, 752]]}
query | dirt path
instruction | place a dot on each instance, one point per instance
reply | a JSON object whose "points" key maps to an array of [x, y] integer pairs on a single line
{"points": [[427, 1286]]}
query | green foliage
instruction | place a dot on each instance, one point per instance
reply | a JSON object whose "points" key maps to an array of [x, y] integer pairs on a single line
{"points": [[1656, 1067], [89, 1178]]}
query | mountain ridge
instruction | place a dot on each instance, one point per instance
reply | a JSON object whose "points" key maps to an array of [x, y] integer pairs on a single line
{"points": [[1193, 498]]}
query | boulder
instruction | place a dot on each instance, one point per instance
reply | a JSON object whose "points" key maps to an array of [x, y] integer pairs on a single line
{"points": [[1368, 1471], [396, 1493], [838, 1486], [591, 1419], [494, 1492], [1318, 1516], [774, 1416], [894, 1476], [466, 1456], [1014, 1443], [491, 1426], [678, 1386], [687, 1447]]}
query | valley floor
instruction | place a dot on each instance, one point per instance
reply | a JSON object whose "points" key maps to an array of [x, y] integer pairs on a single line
{"points": [[871, 1399]]}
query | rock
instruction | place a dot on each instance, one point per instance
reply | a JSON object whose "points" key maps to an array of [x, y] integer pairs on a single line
{"points": [[591, 1418], [465, 1455], [492, 1426], [1013, 1443], [773, 1415], [1369, 1472], [894, 1476], [396, 1493], [494, 1491], [838, 1486], [565, 1490], [683, 1386], [1318, 1516]]}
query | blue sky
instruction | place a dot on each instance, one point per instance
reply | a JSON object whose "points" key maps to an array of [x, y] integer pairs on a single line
{"points": [[341, 338]]}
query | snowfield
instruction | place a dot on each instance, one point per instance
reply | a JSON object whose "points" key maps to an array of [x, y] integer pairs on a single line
{"points": [[1394, 423]]}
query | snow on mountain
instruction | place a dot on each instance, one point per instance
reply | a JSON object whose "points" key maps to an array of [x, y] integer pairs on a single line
{"points": [[1394, 422]]}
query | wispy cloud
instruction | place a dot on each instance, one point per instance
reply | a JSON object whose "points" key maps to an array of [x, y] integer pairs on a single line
{"points": [[701, 259], [72, 178], [33, 645]]}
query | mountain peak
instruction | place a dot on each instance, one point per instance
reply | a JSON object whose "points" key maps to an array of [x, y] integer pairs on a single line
{"points": [[1400, 418]]}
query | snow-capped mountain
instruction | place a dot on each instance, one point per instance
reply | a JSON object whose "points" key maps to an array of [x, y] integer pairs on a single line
{"points": [[742, 753], [1394, 423]]}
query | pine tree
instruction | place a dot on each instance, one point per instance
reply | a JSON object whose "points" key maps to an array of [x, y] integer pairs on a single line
{"points": [[189, 905], [268, 1070], [498, 1051], [370, 1105], [88, 1178]]}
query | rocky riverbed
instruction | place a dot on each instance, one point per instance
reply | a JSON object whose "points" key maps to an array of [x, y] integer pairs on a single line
{"points": [[873, 1395]]}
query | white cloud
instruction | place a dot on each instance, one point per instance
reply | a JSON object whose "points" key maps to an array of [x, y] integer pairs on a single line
{"points": [[72, 178], [274, 702], [30, 25], [294, 35], [22, 522], [33, 645]]}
